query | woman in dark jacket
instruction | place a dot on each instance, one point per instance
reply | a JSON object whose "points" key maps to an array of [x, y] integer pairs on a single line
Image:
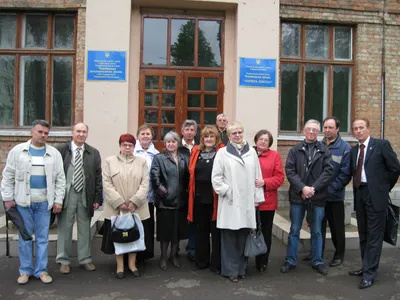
{"points": [[170, 179], [272, 179], [203, 200]]}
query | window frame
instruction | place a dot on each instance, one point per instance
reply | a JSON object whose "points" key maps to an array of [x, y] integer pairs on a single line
{"points": [[330, 62], [49, 52], [197, 19]]}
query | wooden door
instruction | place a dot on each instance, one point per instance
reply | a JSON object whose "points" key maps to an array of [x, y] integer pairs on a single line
{"points": [[168, 97]]}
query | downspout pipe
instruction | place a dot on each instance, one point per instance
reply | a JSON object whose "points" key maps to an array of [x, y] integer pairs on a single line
{"points": [[383, 73]]}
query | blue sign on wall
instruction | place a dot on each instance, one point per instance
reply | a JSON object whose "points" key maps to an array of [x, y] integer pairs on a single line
{"points": [[257, 72], [106, 65]]}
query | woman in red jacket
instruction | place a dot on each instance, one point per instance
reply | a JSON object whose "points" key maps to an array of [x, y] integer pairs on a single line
{"points": [[203, 200], [273, 176]]}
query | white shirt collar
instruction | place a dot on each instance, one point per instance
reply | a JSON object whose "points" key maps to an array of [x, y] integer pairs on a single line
{"points": [[366, 142], [74, 147]]}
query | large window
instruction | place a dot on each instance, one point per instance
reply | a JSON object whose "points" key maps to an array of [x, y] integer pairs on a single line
{"points": [[182, 42], [37, 62], [317, 64]]}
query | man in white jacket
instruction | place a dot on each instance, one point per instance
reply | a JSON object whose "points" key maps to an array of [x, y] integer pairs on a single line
{"points": [[34, 182]]}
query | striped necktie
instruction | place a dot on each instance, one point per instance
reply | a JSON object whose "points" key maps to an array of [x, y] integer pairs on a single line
{"points": [[78, 171]]}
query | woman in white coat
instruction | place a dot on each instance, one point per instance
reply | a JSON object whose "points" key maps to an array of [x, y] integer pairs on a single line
{"points": [[234, 178]]}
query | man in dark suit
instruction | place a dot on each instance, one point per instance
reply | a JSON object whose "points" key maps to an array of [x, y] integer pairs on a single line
{"points": [[375, 169], [84, 194]]}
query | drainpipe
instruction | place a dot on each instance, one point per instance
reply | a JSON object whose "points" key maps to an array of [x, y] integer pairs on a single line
{"points": [[383, 73]]}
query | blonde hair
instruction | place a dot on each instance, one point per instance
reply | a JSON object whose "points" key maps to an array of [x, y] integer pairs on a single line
{"points": [[207, 131], [233, 126]]}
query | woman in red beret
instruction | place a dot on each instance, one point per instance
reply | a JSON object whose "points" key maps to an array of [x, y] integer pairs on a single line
{"points": [[125, 185]]}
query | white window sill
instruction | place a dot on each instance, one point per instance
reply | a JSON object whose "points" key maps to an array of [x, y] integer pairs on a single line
{"points": [[53, 133], [287, 137]]}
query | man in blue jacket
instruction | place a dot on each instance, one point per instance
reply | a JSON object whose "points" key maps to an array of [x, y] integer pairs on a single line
{"points": [[334, 206]]}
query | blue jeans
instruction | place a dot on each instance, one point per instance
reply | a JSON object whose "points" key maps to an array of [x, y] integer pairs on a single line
{"points": [[36, 219], [297, 212], [191, 243]]}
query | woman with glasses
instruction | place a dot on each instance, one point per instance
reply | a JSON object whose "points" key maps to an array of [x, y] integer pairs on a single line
{"points": [[272, 179], [170, 178], [234, 178], [145, 148], [203, 200], [125, 185]]}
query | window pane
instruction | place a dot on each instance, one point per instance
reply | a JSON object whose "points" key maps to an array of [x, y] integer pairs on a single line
{"points": [[33, 89], [316, 92], [168, 117], [7, 69], [155, 42], [182, 42], [342, 96], [62, 91], [317, 41], [211, 84], [168, 100], [343, 43], [164, 131], [35, 31], [151, 83], [194, 100], [64, 32], [169, 83], [150, 99], [289, 97], [210, 101], [210, 117], [291, 40], [8, 31], [194, 115], [194, 83], [150, 116], [210, 44]]}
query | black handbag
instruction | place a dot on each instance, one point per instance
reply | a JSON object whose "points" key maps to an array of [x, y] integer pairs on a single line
{"points": [[124, 235], [255, 243], [392, 224]]}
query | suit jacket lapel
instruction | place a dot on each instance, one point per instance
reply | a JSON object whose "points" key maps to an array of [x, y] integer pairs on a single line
{"points": [[354, 154], [371, 148]]}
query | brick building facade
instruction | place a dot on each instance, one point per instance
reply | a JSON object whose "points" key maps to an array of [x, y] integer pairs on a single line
{"points": [[376, 42]]}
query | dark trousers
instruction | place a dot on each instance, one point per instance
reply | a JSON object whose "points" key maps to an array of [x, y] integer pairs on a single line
{"points": [[334, 215], [204, 227], [371, 226], [233, 261], [267, 220], [191, 243], [148, 226]]}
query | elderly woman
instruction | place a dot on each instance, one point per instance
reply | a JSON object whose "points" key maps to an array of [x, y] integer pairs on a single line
{"points": [[235, 171], [203, 200], [145, 148], [125, 184], [272, 179], [170, 178]]}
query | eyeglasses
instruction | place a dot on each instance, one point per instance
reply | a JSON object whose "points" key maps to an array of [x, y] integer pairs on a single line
{"points": [[264, 140], [126, 145], [237, 133], [309, 129]]}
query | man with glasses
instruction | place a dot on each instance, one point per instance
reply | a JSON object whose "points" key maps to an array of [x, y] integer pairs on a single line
{"points": [[84, 194], [309, 171], [222, 123]]}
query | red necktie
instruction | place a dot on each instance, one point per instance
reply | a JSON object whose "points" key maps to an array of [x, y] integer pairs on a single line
{"points": [[357, 175]]}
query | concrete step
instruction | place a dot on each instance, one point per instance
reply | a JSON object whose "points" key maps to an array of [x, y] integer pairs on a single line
{"points": [[13, 236], [281, 229]]}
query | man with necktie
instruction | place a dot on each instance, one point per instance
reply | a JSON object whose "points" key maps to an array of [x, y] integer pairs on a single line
{"points": [[84, 194], [375, 169]]}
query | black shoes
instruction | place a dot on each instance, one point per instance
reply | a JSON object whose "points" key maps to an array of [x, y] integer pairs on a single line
{"points": [[135, 273], [335, 262], [321, 269], [287, 267], [262, 268], [191, 256], [356, 272], [175, 261], [365, 284], [120, 275], [163, 264]]}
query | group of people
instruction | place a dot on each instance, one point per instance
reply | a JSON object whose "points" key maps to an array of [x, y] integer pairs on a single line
{"points": [[214, 184]]}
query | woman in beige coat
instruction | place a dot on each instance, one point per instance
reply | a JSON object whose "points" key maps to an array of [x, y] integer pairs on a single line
{"points": [[125, 185]]}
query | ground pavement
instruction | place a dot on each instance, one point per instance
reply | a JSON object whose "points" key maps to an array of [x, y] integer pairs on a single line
{"points": [[301, 284]]}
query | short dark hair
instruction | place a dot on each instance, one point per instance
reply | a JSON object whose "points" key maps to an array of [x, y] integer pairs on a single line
{"points": [[337, 121], [262, 132], [43, 123]]}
